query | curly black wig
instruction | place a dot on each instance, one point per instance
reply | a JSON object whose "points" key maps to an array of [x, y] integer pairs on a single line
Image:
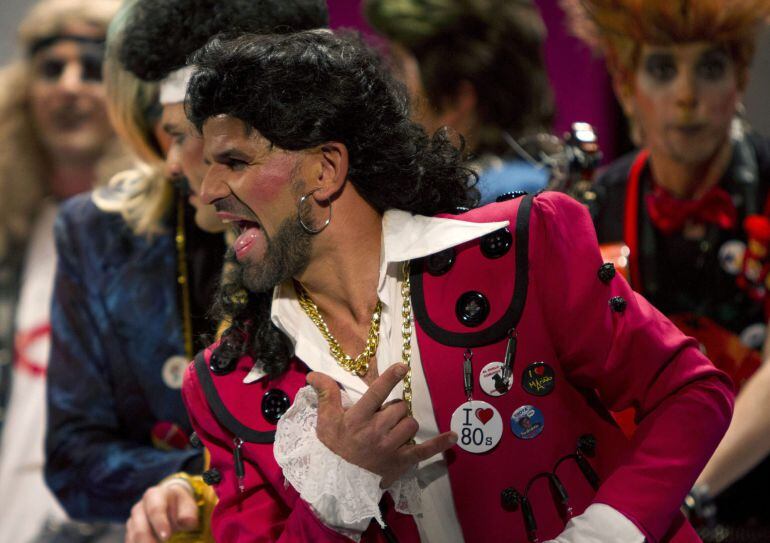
{"points": [[162, 34], [300, 91]]}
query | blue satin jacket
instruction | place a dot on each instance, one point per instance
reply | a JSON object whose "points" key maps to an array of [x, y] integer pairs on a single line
{"points": [[115, 324]]}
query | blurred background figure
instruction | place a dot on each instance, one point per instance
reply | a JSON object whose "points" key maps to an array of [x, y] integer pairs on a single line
{"points": [[691, 207], [475, 66], [139, 262], [56, 142]]}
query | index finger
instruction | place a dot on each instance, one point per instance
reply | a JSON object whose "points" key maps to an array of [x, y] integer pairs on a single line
{"points": [[378, 392]]}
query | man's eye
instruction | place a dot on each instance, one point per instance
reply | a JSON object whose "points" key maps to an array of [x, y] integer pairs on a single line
{"points": [[660, 68], [712, 69], [235, 165], [92, 68], [51, 69]]}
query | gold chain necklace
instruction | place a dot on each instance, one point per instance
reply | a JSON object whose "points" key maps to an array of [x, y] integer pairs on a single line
{"points": [[360, 364]]}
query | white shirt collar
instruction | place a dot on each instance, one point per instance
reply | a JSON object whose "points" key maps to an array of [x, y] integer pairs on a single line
{"points": [[404, 237]]}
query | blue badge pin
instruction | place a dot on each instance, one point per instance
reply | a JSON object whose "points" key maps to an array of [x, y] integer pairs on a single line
{"points": [[527, 422]]}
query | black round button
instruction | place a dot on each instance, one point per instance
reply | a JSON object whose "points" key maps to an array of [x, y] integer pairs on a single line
{"points": [[618, 304], [440, 263], [472, 308], [195, 441], [538, 379], [222, 365], [510, 498], [211, 476], [275, 402], [587, 444], [504, 197], [497, 243], [607, 272]]}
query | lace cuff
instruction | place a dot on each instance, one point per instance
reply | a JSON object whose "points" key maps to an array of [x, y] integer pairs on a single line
{"points": [[344, 496]]}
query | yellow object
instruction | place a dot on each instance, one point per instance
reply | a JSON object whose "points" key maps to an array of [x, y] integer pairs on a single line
{"points": [[206, 499]]}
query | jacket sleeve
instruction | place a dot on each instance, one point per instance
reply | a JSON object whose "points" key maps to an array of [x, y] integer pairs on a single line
{"points": [[96, 472], [631, 356], [258, 514]]}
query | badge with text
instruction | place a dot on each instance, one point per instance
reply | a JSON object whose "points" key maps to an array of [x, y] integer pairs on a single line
{"points": [[538, 379], [527, 422], [493, 380], [478, 426]]}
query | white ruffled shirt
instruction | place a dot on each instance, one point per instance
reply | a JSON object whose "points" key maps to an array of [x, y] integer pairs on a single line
{"points": [[347, 500]]}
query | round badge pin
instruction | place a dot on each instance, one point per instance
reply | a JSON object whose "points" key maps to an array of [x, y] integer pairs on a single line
{"points": [[478, 426], [173, 371], [527, 422], [538, 379], [730, 256], [493, 379], [753, 336]]}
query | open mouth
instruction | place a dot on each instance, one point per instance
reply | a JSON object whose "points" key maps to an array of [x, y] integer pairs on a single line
{"points": [[247, 234]]}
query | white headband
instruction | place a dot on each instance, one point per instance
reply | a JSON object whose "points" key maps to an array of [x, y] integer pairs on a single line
{"points": [[174, 88]]}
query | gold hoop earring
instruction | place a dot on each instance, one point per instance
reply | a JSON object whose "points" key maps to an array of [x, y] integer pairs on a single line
{"points": [[306, 228]]}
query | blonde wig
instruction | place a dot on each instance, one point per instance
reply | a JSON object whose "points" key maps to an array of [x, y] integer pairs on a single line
{"points": [[142, 195], [24, 165], [618, 28]]}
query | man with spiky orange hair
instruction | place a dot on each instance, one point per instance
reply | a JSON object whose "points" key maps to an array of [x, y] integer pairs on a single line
{"points": [[692, 206]]}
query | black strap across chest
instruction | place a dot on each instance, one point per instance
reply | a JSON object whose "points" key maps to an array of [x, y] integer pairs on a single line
{"points": [[222, 414], [509, 320]]}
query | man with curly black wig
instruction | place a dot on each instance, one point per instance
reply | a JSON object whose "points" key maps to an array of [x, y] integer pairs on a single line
{"points": [[351, 265], [133, 288]]}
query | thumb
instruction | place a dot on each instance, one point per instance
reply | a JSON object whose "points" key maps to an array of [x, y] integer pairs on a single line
{"points": [[184, 510], [328, 391]]}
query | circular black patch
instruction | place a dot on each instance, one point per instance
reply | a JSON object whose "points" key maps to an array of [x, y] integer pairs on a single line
{"points": [[275, 402], [195, 441], [618, 304], [472, 308], [212, 476], [220, 365], [538, 379], [607, 272], [497, 243], [441, 262]]}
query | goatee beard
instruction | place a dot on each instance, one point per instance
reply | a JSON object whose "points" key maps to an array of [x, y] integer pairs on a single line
{"points": [[287, 255]]}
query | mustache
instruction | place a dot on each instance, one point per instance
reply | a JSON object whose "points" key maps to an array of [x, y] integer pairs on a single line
{"points": [[235, 206]]}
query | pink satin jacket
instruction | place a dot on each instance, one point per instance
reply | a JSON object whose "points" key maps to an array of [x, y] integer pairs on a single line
{"points": [[608, 351]]}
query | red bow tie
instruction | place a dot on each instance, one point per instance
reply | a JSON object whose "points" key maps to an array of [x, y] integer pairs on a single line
{"points": [[669, 214]]}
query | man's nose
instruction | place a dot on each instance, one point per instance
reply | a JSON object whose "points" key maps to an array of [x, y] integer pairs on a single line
{"points": [[71, 78], [213, 187], [686, 88]]}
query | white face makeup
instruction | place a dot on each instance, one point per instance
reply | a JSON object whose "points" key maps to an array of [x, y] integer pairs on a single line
{"points": [[684, 98]]}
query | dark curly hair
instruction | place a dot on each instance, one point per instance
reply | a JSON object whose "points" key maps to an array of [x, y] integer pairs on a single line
{"points": [[300, 91], [496, 45], [162, 34]]}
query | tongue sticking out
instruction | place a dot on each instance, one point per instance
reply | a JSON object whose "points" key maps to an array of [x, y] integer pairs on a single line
{"points": [[250, 236]]}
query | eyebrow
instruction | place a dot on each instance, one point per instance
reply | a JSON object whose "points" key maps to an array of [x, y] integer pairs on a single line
{"points": [[231, 152], [169, 127]]}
